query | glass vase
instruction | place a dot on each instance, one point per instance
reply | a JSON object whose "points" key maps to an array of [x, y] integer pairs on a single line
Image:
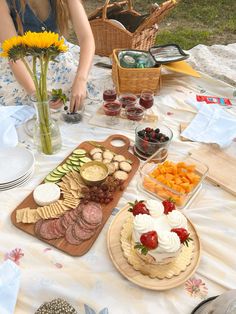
{"points": [[47, 136]]}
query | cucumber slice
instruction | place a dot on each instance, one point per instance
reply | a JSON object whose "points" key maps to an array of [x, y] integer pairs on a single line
{"points": [[56, 172], [60, 169], [75, 163], [55, 175], [85, 159], [65, 167], [79, 151], [73, 158], [75, 168], [50, 178], [70, 167], [69, 162]]}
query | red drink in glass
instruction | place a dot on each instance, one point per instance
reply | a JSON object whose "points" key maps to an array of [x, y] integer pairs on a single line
{"points": [[146, 99], [128, 100], [109, 95], [112, 108], [135, 113]]}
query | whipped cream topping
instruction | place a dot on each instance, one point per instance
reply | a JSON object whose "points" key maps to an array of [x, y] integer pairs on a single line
{"points": [[143, 223], [167, 242], [155, 208], [177, 220]]}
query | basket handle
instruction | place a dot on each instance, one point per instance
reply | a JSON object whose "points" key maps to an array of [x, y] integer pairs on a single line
{"points": [[157, 16], [106, 5]]}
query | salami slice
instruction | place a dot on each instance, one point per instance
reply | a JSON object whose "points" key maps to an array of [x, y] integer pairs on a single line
{"points": [[84, 225], [70, 237], [92, 213], [74, 215], [68, 220], [38, 226], [82, 234], [59, 227], [48, 231]]}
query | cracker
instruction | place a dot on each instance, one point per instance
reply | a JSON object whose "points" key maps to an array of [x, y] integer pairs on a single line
{"points": [[32, 216], [20, 214]]}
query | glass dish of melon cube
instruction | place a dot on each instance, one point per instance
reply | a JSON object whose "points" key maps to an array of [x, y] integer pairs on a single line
{"points": [[179, 177]]}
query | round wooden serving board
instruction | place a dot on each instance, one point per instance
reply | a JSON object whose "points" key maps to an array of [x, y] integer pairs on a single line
{"points": [[62, 244], [121, 263]]}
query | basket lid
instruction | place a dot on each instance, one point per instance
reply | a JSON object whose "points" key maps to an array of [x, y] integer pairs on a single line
{"points": [[164, 54]]}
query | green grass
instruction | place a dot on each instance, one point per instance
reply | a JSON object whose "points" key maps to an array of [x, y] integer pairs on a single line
{"points": [[191, 22], [197, 21], [184, 37]]}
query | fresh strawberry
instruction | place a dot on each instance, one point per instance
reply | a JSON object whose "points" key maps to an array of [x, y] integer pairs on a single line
{"points": [[153, 135], [148, 130], [138, 208], [149, 241], [169, 205], [183, 235]]}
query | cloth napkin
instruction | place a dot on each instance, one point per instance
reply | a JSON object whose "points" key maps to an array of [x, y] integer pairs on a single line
{"points": [[211, 124], [10, 118], [9, 286]]}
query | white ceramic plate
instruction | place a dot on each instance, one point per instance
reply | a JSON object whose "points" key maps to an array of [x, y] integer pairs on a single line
{"points": [[25, 180], [117, 23], [3, 186], [14, 163]]}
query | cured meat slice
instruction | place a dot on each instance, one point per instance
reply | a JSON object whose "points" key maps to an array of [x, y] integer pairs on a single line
{"points": [[48, 231], [82, 234], [68, 219], [59, 227], [70, 236], [74, 215], [38, 226], [84, 225], [92, 213]]}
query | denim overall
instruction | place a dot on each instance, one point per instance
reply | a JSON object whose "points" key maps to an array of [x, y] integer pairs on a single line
{"points": [[30, 21]]}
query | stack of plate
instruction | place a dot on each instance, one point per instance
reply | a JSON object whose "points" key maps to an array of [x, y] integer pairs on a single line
{"points": [[16, 167]]}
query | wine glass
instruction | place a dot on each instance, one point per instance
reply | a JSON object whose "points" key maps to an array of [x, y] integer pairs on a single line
{"points": [[127, 100], [146, 100], [109, 91], [134, 115], [112, 110]]}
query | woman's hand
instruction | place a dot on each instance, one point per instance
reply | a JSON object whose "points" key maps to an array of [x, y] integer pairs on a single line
{"points": [[78, 94], [56, 104]]}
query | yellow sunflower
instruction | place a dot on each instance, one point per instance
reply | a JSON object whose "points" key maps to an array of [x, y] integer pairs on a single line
{"points": [[44, 40], [10, 45]]}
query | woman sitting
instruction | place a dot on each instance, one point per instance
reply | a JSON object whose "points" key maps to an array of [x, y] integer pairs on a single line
{"points": [[71, 71]]}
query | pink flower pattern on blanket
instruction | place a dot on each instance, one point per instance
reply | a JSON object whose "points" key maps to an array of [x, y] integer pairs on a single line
{"points": [[15, 255], [196, 288]]}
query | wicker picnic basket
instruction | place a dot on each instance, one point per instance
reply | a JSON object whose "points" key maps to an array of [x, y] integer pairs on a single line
{"points": [[109, 36], [134, 80]]}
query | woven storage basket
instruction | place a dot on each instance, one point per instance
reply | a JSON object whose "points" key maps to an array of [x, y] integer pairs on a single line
{"points": [[134, 80], [109, 36]]}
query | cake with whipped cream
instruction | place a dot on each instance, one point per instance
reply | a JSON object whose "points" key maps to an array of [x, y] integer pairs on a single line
{"points": [[159, 231]]}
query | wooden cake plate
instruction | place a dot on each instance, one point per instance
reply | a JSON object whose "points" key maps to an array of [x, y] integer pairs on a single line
{"points": [[122, 265], [61, 243]]}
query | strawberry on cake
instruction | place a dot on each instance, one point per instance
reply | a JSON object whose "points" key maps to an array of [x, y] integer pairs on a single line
{"points": [[159, 231]]}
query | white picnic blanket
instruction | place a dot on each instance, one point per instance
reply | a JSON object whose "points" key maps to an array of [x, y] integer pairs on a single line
{"points": [[91, 283]]}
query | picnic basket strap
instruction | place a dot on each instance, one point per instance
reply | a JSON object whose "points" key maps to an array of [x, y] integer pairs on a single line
{"points": [[104, 11]]}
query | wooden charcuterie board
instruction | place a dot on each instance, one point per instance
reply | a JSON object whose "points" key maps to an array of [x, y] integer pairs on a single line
{"points": [[61, 243], [221, 166]]}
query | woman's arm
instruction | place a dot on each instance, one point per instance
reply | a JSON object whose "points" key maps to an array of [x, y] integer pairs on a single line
{"points": [[7, 30], [87, 48]]}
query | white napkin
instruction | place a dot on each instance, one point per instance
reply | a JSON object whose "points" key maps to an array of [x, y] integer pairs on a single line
{"points": [[9, 286], [10, 117], [211, 125]]}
